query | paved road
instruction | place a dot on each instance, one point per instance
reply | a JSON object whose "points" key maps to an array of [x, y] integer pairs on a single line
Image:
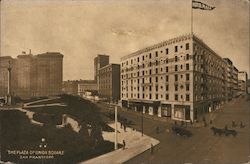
{"points": [[203, 147]]}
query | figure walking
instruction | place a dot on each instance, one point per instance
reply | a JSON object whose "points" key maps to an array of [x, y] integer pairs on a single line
{"points": [[124, 144]]}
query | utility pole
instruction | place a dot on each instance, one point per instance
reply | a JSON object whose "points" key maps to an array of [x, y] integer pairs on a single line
{"points": [[9, 85], [115, 127], [142, 123]]}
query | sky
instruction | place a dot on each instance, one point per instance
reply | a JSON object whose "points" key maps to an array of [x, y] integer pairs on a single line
{"points": [[81, 29]]}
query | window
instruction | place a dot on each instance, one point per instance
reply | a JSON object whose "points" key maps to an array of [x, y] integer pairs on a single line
{"points": [[143, 96], [176, 87], [142, 73], [187, 46], [166, 69], [138, 81], [142, 80], [143, 88], [156, 70], [176, 77], [138, 88], [138, 59], [166, 61], [176, 97], [142, 57], [138, 73], [156, 96], [166, 78], [167, 88], [156, 62], [187, 66], [187, 97], [150, 80], [150, 71], [150, 96], [175, 58], [176, 67], [150, 88], [150, 56], [156, 88], [187, 87], [167, 96], [150, 64], [138, 95], [131, 61], [187, 56], [167, 51], [156, 53], [176, 49], [156, 79], [187, 77]]}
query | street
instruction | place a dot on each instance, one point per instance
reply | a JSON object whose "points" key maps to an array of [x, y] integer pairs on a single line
{"points": [[203, 146]]}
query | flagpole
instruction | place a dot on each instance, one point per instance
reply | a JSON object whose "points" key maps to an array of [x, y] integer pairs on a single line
{"points": [[191, 17]]}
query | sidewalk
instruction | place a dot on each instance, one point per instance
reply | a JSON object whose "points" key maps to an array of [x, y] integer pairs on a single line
{"points": [[135, 145]]}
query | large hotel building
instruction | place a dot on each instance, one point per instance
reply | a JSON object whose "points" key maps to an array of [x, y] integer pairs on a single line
{"points": [[182, 78], [32, 75]]}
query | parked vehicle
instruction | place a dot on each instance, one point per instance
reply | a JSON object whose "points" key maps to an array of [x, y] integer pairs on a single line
{"points": [[181, 131]]}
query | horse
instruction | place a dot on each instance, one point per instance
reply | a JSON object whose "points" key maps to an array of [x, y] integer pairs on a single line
{"points": [[217, 131]]}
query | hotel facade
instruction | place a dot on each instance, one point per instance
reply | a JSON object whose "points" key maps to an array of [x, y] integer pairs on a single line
{"points": [[181, 78]]}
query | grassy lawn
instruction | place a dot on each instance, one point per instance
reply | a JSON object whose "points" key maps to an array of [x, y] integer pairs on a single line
{"points": [[17, 133]]}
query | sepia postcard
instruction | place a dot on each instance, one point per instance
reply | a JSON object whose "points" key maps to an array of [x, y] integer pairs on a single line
{"points": [[124, 81]]}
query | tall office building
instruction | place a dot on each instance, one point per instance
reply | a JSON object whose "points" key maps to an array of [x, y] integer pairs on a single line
{"points": [[33, 75], [99, 62], [182, 78]]}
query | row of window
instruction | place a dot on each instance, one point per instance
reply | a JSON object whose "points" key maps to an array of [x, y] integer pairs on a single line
{"points": [[157, 87], [176, 68], [176, 77], [176, 96], [156, 54]]}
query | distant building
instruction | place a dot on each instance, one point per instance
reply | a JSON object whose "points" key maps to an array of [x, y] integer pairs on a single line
{"points": [[99, 62], [109, 82], [181, 78], [242, 82], [229, 79], [34, 75], [248, 86], [87, 86], [70, 87], [79, 87]]}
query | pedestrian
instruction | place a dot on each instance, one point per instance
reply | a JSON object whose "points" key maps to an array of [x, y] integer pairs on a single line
{"points": [[182, 123], [157, 130], [233, 124], [124, 144], [152, 149], [242, 125], [226, 127]]}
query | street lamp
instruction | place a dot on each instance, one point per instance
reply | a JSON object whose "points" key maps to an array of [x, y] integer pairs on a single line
{"points": [[142, 123], [115, 127]]}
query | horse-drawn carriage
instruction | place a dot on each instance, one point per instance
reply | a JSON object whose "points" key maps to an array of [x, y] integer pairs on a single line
{"points": [[226, 132]]}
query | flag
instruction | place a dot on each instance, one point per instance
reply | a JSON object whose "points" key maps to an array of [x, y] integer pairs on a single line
{"points": [[200, 5]]}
